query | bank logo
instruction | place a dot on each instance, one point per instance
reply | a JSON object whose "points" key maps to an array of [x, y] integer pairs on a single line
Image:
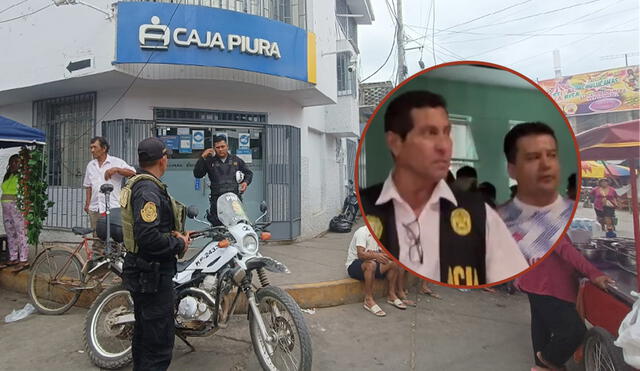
{"points": [[154, 33], [156, 36]]}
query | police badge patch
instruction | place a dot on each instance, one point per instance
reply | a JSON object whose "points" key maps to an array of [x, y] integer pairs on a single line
{"points": [[461, 221], [149, 212]]}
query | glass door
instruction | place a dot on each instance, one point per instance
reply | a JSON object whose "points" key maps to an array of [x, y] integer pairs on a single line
{"points": [[189, 141]]}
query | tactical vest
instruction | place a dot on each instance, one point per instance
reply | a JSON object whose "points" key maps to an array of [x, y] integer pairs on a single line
{"points": [[462, 234], [179, 210]]}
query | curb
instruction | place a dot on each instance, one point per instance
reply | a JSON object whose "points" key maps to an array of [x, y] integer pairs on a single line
{"points": [[308, 295]]}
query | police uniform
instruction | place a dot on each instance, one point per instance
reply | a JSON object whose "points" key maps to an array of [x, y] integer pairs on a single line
{"points": [[222, 174], [148, 273], [460, 240]]}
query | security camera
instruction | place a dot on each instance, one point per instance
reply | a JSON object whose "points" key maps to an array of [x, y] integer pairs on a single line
{"points": [[351, 68]]}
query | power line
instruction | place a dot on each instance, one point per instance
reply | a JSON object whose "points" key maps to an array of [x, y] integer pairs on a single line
{"points": [[426, 29], [529, 37], [393, 44], [433, 34], [489, 14], [130, 84], [534, 15], [540, 34], [26, 15], [13, 6], [574, 42]]}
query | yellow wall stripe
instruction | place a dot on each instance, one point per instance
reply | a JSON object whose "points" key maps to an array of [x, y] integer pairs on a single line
{"points": [[311, 57]]}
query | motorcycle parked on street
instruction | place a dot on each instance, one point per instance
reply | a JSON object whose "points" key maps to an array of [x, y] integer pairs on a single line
{"points": [[207, 290], [343, 222]]}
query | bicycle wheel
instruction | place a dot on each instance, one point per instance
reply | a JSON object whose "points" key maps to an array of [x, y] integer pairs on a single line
{"points": [[290, 345], [600, 354], [55, 281]]}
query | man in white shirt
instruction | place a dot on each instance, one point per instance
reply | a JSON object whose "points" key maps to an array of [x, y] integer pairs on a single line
{"points": [[101, 170], [446, 236], [366, 262]]}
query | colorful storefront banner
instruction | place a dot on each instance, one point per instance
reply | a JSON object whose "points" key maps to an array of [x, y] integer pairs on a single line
{"points": [[596, 92]]}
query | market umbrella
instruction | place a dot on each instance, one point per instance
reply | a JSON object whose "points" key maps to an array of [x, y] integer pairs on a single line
{"points": [[15, 134], [619, 141], [596, 169]]}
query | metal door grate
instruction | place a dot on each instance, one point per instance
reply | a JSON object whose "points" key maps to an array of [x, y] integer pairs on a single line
{"points": [[124, 136], [68, 123], [283, 157]]}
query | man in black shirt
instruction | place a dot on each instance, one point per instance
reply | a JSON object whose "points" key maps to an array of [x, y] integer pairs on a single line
{"points": [[221, 169]]}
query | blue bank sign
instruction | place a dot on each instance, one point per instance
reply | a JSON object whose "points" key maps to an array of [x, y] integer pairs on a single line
{"points": [[163, 33]]}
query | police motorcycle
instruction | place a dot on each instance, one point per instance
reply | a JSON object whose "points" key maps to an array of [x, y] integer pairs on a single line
{"points": [[208, 288]]}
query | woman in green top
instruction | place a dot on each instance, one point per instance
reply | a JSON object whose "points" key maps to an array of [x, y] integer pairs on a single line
{"points": [[14, 225]]}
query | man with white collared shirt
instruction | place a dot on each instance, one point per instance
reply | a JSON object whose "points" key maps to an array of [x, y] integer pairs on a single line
{"points": [[103, 169], [448, 236]]}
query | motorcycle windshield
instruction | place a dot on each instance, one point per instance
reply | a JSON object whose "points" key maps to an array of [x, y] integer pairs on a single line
{"points": [[230, 210]]}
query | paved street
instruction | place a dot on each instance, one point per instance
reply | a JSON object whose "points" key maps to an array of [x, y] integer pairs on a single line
{"points": [[466, 330]]}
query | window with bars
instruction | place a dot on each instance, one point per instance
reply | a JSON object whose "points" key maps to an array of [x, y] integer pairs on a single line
{"points": [[346, 79], [68, 123], [289, 11], [347, 24]]}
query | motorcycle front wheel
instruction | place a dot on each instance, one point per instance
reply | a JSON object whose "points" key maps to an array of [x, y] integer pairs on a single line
{"points": [[107, 343], [290, 345]]}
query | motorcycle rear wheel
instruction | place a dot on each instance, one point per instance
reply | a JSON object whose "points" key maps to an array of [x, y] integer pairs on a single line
{"points": [[107, 345], [284, 321]]}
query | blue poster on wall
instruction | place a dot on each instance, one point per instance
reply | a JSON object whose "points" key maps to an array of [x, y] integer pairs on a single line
{"points": [[171, 141], [244, 140], [197, 137], [185, 143], [164, 33]]}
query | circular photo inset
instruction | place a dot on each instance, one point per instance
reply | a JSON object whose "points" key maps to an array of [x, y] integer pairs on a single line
{"points": [[465, 172]]}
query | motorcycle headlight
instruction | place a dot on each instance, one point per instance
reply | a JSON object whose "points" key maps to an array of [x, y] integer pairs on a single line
{"points": [[250, 244]]}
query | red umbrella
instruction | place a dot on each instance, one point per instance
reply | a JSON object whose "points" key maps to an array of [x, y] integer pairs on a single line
{"points": [[611, 142], [616, 142]]}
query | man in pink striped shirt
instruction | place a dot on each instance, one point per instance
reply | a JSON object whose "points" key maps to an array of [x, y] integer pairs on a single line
{"points": [[536, 217]]}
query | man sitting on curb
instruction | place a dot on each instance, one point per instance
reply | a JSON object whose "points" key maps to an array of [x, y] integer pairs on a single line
{"points": [[366, 262]]}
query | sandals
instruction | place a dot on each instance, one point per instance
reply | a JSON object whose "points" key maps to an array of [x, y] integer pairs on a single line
{"points": [[397, 303], [376, 310], [20, 267], [10, 263], [409, 302]]}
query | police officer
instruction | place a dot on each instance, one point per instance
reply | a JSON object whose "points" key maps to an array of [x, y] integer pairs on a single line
{"points": [[151, 262], [221, 169]]}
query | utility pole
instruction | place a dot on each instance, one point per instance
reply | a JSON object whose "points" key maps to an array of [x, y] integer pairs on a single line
{"points": [[402, 68], [556, 64]]}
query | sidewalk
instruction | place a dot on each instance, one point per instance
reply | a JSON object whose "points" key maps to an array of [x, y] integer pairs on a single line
{"points": [[318, 277]]}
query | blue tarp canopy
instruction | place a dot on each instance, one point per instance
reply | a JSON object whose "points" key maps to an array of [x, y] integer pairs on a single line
{"points": [[15, 134]]}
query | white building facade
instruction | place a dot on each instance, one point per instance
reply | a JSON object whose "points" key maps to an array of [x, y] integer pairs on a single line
{"points": [[276, 77]]}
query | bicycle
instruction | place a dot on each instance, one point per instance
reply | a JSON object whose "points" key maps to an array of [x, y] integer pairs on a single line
{"points": [[54, 290]]}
